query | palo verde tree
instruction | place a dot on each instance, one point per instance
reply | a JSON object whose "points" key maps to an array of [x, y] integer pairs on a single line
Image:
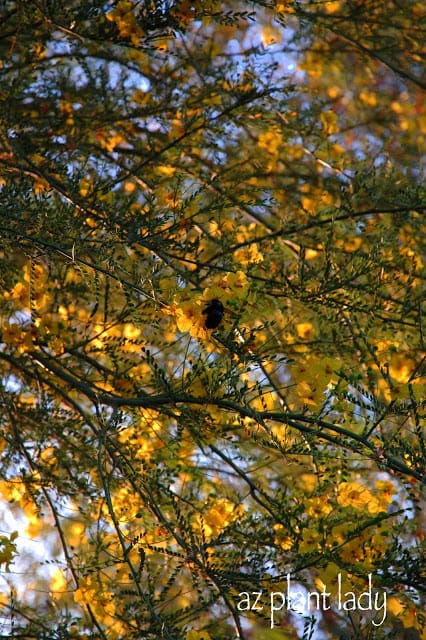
{"points": [[261, 476]]}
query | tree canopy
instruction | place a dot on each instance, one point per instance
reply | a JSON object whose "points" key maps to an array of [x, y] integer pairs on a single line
{"points": [[163, 479]]}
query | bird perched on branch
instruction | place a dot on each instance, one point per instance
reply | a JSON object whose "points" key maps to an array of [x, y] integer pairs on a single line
{"points": [[214, 312]]}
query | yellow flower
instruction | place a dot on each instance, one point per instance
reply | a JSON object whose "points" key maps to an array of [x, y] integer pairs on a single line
{"points": [[166, 170], [189, 317], [248, 255], [270, 141], [219, 516], [19, 294], [318, 507], [238, 283], [126, 22], [281, 538], [304, 330], [353, 494], [329, 122]]}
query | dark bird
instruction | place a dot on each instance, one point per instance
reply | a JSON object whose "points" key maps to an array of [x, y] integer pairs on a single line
{"points": [[214, 313]]}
